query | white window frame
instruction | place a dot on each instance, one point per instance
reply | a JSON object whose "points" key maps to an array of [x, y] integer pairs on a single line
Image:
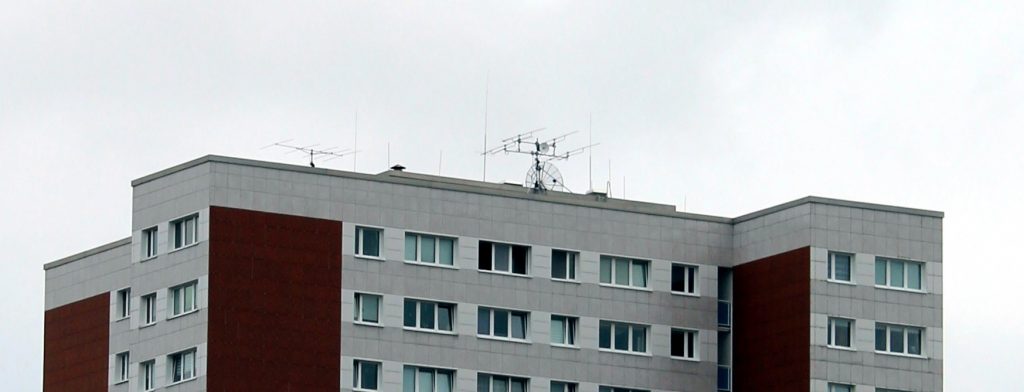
{"points": [[184, 222], [613, 275], [832, 387], [570, 329], [357, 374], [831, 342], [511, 259], [437, 314], [150, 241], [147, 375], [180, 293], [358, 249], [690, 269], [906, 277], [686, 344], [629, 337], [187, 361], [124, 304], [832, 267], [906, 341], [437, 249], [358, 303], [416, 377], [572, 265], [569, 386], [122, 362], [147, 309], [491, 316], [508, 381]]}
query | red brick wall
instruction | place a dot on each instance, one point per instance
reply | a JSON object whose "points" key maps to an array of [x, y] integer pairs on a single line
{"points": [[275, 302], [76, 340], [772, 331]]}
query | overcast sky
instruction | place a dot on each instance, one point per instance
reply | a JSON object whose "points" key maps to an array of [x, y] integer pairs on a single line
{"points": [[730, 107]]}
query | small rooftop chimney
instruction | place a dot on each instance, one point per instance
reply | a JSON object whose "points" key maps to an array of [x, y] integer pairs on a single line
{"points": [[398, 167]]}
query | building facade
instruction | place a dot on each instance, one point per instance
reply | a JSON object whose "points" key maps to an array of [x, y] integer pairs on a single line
{"points": [[249, 275]]}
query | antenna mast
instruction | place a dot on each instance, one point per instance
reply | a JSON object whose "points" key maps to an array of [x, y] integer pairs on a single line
{"points": [[542, 175], [314, 153]]}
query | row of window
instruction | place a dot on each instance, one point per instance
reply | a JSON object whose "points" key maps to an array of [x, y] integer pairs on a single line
{"points": [[889, 338], [890, 273], [506, 324], [181, 300], [367, 377], [184, 232], [182, 367], [515, 260]]}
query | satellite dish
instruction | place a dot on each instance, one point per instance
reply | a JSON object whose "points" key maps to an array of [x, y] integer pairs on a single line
{"points": [[545, 176]]}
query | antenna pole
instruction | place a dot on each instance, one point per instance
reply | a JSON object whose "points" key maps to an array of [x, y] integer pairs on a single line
{"points": [[487, 95]]}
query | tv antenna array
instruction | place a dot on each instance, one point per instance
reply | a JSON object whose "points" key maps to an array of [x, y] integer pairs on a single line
{"points": [[542, 175], [323, 154]]}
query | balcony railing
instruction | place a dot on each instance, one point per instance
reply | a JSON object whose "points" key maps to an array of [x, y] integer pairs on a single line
{"points": [[724, 314], [724, 378]]}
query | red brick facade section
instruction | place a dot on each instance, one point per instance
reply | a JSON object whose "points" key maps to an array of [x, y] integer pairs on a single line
{"points": [[76, 339], [275, 302], [772, 331]]}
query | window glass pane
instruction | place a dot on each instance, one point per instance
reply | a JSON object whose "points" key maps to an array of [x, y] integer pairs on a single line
{"points": [[842, 267], [914, 276], [880, 275], [606, 269], [410, 247], [572, 265], [370, 308], [519, 325], [639, 339], [190, 231], [483, 321], [427, 315], [483, 383], [500, 384], [502, 254], [410, 313], [368, 375], [519, 259], [558, 267], [426, 380], [896, 270], [444, 381], [557, 329], [190, 297], [914, 341], [557, 386], [447, 251], [371, 242], [621, 336], [691, 276], [518, 385], [427, 249], [639, 274], [842, 328], [622, 272], [691, 344], [896, 339], [678, 278], [678, 343], [880, 343], [444, 317], [408, 379], [500, 323], [605, 335], [571, 329]]}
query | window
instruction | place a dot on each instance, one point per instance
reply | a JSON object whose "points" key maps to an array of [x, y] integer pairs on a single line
{"points": [[148, 309], [623, 337], [684, 278], [616, 389], [624, 272], [832, 387], [185, 231], [840, 267], [149, 243], [563, 330], [426, 315], [898, 273], [147, 376], [561, 386], [367, 308], [840, 332], [501, 323], [121, 361], [684, 343], [429, 249], [563, 264], [498, 257], [368, 241], [421, 379], [496, 383], [898, 339], [183, 365], [366, 375], [124, 302], [183, 299]]}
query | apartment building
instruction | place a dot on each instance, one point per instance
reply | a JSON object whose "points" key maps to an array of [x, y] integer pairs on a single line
{"points": [[250, 275]]}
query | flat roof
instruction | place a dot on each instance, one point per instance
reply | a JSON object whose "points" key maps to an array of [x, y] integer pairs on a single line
{"points": [[94, 251]]}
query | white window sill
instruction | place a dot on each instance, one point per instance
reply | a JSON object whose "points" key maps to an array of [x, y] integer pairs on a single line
{"points": [[183, 314], [501, 339], [574, 281], [831, 346], [363, 390], [846, 282], [180, 382], [119, 382], [685, 294], [615, 286], [122, 318], [901, 289], [634, 353], [374, 258], [433, 331], [184, 247], [568, 346], [527, 276], [147, 325], [145, 259], [892, 354], [367, 323], [685, 359], [425, 264]]}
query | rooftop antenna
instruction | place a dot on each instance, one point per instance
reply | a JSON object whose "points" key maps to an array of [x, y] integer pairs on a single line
{"points": [[543, 175], [487, 95], [314, 153]]}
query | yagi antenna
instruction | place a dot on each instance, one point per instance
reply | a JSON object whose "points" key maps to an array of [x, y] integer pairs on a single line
{"points": [[543, 175], [314, 153]]}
